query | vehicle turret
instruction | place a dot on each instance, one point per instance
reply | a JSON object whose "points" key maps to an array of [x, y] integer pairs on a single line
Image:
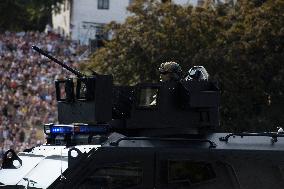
{"points": [[146, 109]]}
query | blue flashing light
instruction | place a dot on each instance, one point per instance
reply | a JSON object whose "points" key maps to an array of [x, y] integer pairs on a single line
{"points": [[61, 129], [78, 129]]}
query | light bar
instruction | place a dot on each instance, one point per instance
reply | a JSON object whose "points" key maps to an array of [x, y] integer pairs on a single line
{"points": [[75, 129], [93, 129], [61, 129]]}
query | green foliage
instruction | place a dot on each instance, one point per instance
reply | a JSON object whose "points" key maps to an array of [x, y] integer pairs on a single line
{"points": [[8, 9], [19, 15], [155, 33], [240, 46]]}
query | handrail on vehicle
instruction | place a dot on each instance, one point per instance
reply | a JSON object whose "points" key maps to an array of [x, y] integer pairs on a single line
{"points": [[212, 144], [273, 135]]}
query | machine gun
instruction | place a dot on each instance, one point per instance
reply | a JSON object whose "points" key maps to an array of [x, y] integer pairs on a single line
{"points": [[76, 72], [151, 135]]}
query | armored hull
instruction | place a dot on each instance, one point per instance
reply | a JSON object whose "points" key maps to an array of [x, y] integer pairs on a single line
{"points": [[145, 162]]}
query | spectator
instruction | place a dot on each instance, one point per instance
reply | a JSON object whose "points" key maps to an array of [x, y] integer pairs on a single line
{"points": [[27, 94]]}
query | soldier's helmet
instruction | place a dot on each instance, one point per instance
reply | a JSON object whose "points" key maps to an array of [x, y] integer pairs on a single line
{"points": [[197, 73], [171, 70]]}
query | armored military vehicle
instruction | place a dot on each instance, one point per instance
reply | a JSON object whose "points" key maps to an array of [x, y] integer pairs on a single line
{"points": [[152, 135]]}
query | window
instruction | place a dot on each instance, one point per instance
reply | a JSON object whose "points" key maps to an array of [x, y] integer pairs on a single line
{"points": [[116, 176], [189, 171], [64, 90], [103, 4], [148, 97], [82, 92], [130, 2], [85, 89]]}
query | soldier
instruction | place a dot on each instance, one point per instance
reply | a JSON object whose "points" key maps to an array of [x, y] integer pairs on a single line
{"points": [[170, 71]]}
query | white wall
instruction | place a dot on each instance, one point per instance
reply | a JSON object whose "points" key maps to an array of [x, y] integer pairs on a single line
{"points": [[61, 21], [86, 16]]}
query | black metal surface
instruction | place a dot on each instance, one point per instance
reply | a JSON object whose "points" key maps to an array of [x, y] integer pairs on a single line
{"points": [[7, 160], [95, 106]]}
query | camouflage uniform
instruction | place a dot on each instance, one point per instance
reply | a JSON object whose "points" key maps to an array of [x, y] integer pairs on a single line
{"points": [[170, 71]]}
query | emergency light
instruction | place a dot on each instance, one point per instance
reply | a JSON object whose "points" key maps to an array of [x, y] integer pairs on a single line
{"points": [[54, 129]]}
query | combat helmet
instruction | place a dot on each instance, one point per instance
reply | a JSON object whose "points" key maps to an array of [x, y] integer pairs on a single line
{"points": [[172, 70]]}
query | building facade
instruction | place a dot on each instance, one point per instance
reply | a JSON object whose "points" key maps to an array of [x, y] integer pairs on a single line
{"points": [[82, 20]]}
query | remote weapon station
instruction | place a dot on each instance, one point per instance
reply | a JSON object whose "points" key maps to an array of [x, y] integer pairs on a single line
{"points": [[152, 135]]}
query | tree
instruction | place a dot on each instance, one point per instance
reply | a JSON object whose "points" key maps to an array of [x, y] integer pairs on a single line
{"points": [[19, 15], [247, 62], [12, 13], [156, 32], [241, 46]]}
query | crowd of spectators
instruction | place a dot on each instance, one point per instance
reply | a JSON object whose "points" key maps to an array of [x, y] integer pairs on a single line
{"points": [[27, 92]]}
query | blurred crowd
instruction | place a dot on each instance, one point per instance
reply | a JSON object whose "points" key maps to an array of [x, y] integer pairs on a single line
{"points": [[27, 92]]}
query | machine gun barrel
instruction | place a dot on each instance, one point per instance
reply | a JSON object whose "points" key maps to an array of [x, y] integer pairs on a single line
{"points": [[76, 72]]}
